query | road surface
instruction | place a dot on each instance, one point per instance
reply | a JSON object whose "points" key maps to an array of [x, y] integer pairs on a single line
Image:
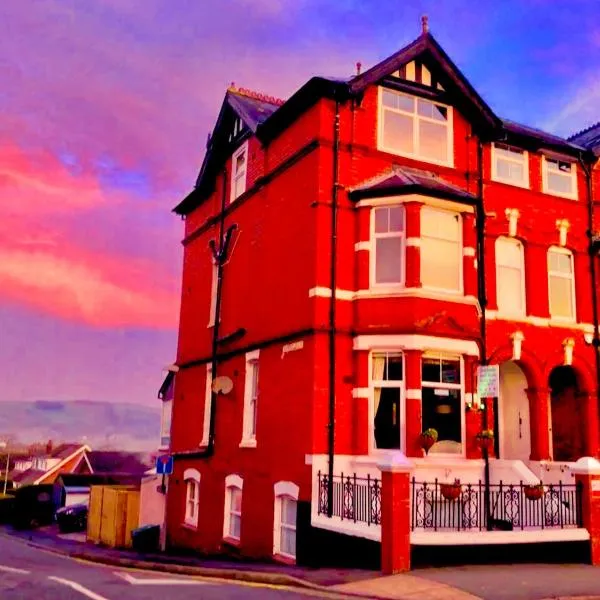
{"points": [[28, 573]]}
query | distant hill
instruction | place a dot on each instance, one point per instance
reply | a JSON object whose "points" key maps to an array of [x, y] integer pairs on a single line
{"points": [[102, 425]]}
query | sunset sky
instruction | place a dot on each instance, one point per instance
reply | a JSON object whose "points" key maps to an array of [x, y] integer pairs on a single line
{"points": [[105, 106]]}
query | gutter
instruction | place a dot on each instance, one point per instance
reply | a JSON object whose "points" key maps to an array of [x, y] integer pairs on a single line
{"points": [[593, 258], [332, 307]]}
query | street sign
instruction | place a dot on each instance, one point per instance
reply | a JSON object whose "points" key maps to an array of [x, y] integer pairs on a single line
{"points": [[488, 381], [164, 465]]}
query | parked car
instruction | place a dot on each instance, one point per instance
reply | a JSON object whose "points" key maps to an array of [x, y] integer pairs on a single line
{"points": [[72, 518]]}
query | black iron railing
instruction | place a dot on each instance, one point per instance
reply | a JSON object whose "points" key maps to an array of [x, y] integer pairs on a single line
{"points": [[356, 499], [454, 507]]}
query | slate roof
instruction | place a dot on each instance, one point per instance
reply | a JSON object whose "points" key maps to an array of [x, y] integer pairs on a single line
{"points": [[544, 138], [65, 450], [112, 462], [590, 138], [252, 109], [405, 180], [70, 480], [27, 477]]}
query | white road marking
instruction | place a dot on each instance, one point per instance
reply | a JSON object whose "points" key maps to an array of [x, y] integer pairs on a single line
{"points": [[78, 588], [13, 570], [165, 581]]}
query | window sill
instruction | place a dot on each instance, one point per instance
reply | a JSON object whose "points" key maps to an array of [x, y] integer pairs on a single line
{"points": [[523, 185], [248, 444], [284, 559], [189, 525], [574, 197], [231, 541], [431, 161]]}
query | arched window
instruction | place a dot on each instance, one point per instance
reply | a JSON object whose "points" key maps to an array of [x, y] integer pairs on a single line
{"points": [[284, 527], [232, 521], [191, 477], [510, 276], [561, 284]]}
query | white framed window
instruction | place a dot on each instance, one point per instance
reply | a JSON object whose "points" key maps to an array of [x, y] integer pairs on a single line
{"points": [[191, 478], [561, 284], [510, 276], [165, 422], [559, 177], [386, 382], [239, 170], [441, 250], [284, 526], [388, 242], [442, 400], [207, 405], [415, 127], [251, 390], [232, 521], [213, 295], [510, 165]]}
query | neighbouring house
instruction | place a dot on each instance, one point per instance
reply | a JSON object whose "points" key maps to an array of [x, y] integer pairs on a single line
{"points": [[46, 467], [115, 462], [351, 257], [74, 488]]}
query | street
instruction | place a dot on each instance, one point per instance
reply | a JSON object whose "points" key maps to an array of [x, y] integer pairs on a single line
{"points": [[29, 573]]}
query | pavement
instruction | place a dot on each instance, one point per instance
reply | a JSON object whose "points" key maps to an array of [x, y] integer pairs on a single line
{"points": [[107, 573]]}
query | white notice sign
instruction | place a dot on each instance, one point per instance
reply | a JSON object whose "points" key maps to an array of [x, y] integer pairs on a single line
{"points": [[488, 381]]}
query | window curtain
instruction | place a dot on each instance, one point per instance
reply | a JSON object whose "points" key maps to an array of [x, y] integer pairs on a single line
{"points": [[378, 374]]}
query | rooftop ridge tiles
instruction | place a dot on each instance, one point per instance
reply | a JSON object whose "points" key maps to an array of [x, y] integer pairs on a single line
{"points": [[248, 93]]}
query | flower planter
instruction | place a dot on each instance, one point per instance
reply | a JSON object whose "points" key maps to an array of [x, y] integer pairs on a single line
{"points": [[426, 442], [533, 492], [450, 491], [487, 443]]}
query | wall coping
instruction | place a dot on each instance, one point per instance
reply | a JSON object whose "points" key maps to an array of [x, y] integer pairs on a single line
{"points": [[586, 466], [395, 462]]}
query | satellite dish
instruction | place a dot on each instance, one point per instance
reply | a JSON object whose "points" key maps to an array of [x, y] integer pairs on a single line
{"points": [[222, 385]]}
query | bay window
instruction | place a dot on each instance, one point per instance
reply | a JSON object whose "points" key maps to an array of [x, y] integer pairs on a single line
{"points": [[388, 245], [386, 384], [442, 400], [561, 284], [441, 249], [510, 276], [415, 127]]}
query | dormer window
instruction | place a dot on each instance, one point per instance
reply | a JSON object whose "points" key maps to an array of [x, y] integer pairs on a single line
{"points": [[239, 167], [415, 127], [510, 165], [559, 178]]}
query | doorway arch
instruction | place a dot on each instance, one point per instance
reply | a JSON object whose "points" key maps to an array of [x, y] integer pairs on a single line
{"points": [[567, 409], [514, 421]]}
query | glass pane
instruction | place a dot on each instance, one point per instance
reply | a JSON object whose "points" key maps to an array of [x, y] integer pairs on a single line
{"points": [[236, 500], [450, 371], [433, 141], [442, 411], [439, 113], [440, 224], [508, 253], [398, 132], [254, 379], [288, 511], [510, 290], [559, 183], [235, 526], [430, 369], [394, 367], [425, 108], [389, 99], [288, 541], [559, 262], [388, 260], [510, 170], [396, 214], [387, 418], [501, 150], [381, 220], [561, 300], [379, 361], [240, 161], [440, 264], [398, 101]]}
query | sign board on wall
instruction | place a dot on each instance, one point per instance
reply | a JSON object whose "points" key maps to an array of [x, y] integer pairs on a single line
{"points": [[488, 381]]}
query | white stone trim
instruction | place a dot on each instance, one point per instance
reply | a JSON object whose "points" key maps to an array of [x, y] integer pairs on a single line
{"points": [[364, 245], [493, 315], [358, 529], [469, 251], [530, 536], [361, 392], [231, 482], [396, 463], [248, 436], [414, 242], [416, 342], [282, 490], [286, 488], [234, 480], [586, 466], [191, 475], [395, 292], [325, 292], [391, 200], [414, 394]]}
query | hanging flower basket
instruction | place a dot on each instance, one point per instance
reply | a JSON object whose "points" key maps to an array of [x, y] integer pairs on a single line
{"points": [[533, 492], [485, 439], [450, 491], [427, 439]]}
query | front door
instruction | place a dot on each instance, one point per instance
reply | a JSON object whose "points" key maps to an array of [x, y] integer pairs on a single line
{"points": [[513, 407]]}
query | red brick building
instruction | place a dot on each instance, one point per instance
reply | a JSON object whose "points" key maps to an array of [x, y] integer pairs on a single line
{"points": [[351, 256]]}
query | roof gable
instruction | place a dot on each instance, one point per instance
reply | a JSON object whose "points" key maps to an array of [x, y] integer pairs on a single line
{"points": [[425, 64], [589, 138]]}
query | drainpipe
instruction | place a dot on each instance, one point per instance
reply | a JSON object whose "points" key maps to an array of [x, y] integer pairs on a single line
{"points": [[587, 169], [482, 297], [220, 255], [333, 283]]}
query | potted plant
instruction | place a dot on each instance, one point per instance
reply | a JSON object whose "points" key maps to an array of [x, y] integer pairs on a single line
{"points": [[485, 439], [427, 439], [450, 491], [533, 492]]}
